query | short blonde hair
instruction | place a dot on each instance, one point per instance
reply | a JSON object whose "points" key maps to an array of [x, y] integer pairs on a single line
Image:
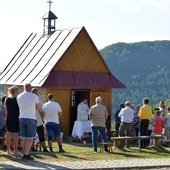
{"points": [[12, 89]]}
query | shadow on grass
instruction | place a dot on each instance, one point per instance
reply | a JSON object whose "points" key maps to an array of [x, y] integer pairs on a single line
{"points": [[9, 157], [126, 154], [37, 155], [133, 151], [41, 155], [142, 153], [88, 145]]}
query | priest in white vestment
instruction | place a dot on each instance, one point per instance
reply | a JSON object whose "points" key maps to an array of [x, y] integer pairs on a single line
{"points": [[82, 111]]}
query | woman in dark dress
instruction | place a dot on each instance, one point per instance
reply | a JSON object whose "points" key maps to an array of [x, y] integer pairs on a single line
{"points": [[12, 120]]}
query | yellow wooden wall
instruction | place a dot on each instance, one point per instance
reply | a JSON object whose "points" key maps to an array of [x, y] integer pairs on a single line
{"points": [[82, 56], [62, 96], [42, 92]]}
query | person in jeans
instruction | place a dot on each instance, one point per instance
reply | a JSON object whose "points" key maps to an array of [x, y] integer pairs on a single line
{"points": [[135, 124], [145, 114], [117, 119], [52, 111], [127, 116], [28, 104], [98, 115]]}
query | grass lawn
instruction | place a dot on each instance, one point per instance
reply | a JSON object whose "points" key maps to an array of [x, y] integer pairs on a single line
{"points": [[77, 151]]}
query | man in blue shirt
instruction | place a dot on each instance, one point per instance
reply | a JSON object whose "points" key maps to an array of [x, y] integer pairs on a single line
{"points": [[117, 119]]}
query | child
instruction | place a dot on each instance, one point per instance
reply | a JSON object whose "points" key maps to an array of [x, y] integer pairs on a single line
{"points": [[167, 124], [157, 125]]}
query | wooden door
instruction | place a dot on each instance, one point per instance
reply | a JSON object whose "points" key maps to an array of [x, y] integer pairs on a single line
{"points": [[77, 96], [106, 101], [104, 96]]}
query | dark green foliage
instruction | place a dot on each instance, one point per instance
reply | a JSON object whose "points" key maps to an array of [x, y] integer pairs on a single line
{"points": [[144, 68]]}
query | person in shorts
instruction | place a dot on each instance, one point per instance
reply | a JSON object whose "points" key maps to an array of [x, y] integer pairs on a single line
{"points": [[28, 104], [40, 127], [52, 111], [12, 120]]}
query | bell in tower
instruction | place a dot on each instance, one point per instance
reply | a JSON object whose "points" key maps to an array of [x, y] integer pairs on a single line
{"points": [[49, 21]]}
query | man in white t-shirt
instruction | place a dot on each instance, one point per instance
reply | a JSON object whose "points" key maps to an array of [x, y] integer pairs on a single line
{"points": [[52, 111], [28, 103]]}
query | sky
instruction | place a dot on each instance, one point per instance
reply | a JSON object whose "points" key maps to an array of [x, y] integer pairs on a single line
{"points": [[107, 21]]}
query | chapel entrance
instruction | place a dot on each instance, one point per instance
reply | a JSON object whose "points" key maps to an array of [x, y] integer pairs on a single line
{"points": [[76, 97]]}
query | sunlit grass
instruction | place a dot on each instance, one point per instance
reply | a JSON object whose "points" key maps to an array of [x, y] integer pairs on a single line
{"points": [[78, 151]]}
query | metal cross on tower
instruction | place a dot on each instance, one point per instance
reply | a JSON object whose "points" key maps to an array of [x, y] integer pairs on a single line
{"points": [[50, 2]]}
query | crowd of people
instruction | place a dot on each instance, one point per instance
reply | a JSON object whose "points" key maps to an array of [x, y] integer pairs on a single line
{"points": [[142, 121], [23, 115]]}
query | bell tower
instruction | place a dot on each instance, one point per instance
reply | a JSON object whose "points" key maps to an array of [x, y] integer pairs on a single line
{"points": [[49, 21]]}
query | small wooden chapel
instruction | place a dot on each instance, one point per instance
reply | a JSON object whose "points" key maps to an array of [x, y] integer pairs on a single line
{"points": [[63, 62]]}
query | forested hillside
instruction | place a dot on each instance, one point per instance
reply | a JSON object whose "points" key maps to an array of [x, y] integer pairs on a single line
{"points": [[144, 68]]}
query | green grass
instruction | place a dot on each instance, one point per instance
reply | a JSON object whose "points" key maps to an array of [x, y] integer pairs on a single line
{"points": [[77, 151]]}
